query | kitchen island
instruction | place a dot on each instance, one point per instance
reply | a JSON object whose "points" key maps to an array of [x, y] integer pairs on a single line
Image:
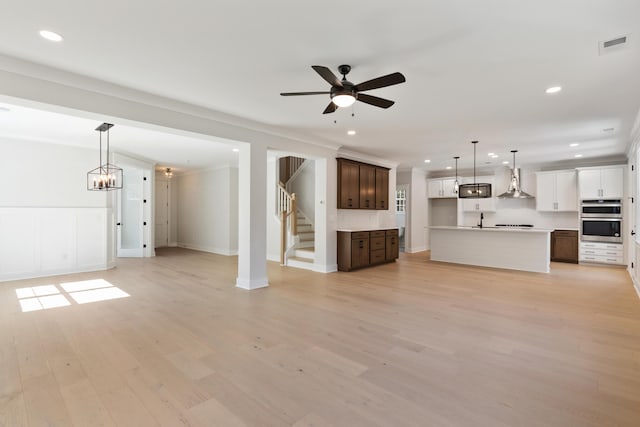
{"points": [[526, 249]]}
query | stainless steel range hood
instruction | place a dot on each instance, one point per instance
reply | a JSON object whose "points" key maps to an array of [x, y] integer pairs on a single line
{"points": [[515, 191]]}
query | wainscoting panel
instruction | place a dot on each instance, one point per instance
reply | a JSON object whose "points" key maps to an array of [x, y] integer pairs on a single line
{"points": [[37, 242], [18, 242]]}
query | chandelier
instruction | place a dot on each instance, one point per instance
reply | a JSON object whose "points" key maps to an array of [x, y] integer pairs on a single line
{"points": [[107, 176]]}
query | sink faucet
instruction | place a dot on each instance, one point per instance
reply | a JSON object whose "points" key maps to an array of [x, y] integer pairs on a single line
{"points": [[481, 218]]}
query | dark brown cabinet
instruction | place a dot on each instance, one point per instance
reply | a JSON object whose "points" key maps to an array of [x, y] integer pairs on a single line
{"points": [[392, 245], [362, 186], [348, 184], [564, 246], [382, 188], [364, 248], [367, 187]]}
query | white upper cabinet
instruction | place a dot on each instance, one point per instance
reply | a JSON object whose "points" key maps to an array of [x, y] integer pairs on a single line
{"points": [[556, 191], [480, 205], [601, 183], [441, 188]]}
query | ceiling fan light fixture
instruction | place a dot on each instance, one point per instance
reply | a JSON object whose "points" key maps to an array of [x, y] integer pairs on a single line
{"points": [[344, 100]]}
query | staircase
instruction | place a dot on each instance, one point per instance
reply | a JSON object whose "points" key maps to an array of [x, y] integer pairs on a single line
{"points": [[303, 253], [297, 240]]}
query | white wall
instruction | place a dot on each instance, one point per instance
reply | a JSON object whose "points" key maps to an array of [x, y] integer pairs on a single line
{"points": [[207, 211], [303, 185], [49, 222], [47, 175]]}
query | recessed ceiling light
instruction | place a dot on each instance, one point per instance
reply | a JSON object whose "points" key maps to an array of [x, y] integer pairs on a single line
{"points": [[578, 155], [575, 144], [554, 89], [351, 132], [235, 150], [4, 110], [51, 36], [506, 162], [491, 154], [608, 129], [427, 161], [495, 156], [448, 167]]}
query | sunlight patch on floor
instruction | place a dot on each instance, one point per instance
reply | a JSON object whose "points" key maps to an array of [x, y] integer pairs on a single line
{"points": [[50, 296]]}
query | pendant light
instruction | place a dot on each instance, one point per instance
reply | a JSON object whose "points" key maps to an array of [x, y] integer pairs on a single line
{"points": [[168, 172], [475, 190], [456, 184], [107, 176]]}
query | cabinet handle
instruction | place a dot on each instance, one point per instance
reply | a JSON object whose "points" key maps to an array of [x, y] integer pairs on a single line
{"points": [[361, 244], [612, 260]]}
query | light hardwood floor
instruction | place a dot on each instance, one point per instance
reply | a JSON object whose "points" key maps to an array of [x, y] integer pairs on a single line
{"points": [[413, 343]]}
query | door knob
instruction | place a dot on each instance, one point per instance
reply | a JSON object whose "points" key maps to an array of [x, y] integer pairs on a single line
{"points": [[117, 223]]}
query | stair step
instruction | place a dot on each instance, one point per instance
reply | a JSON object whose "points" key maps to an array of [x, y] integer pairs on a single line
{"points": [[305, 228], [306, 244], [305, 253], [300, 263]]}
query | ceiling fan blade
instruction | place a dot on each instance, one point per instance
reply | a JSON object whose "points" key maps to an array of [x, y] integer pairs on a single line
{"points": [[330, 108], [304, 93], [326, 74], [374, 100], [384, 81]]}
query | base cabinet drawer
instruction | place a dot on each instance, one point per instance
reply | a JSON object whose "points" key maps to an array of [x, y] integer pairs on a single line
{"points": [[601, 259], [377, 256], [604, 253], [366, 248]]}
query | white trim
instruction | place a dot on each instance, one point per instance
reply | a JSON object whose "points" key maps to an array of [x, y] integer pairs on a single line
{"points": [[50, 273], [360, 157], [251, 284], [415, 250], [322, 268], [218, 251]]}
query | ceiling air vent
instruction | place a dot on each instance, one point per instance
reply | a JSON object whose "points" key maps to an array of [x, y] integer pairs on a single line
{"points": [[614, 44]]}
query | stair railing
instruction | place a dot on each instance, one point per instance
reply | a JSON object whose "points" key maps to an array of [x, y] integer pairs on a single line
{"points": [[288, 216]]}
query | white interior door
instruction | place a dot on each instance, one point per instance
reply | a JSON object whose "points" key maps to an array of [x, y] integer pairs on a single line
{"points": [[162, 213], [131, 214]]}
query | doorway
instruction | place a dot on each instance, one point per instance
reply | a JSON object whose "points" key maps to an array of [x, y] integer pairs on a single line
{"points": [[401, 213], [161, 213], [133, 213]]}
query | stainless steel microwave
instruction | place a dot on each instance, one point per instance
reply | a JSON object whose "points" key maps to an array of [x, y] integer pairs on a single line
{"points": [[601, 209]]}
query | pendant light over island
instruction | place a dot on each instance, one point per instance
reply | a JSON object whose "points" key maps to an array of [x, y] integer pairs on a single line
{"points": [[475, 190]]}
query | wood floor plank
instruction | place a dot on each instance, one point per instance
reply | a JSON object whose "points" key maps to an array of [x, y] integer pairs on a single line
{"points": [[410, 343]]}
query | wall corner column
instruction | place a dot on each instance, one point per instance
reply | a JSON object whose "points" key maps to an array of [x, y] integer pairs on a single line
{"points": [[252, 217]]}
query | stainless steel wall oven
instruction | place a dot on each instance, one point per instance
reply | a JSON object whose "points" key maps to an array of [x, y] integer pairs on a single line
{"points": [[601, 221]]}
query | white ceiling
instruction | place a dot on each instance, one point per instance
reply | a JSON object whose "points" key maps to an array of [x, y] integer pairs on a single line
{"points": [[166, 149], [475, 70]]}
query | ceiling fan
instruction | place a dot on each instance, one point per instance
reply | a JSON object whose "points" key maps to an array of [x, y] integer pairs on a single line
{"points": [[343, 93]]}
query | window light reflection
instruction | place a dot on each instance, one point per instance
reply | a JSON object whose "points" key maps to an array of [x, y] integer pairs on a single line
{"points": [[50, 296]]}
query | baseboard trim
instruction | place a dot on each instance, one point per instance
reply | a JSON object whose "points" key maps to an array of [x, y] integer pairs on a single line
{"points": [[251, 284], [88, 269], [415, 250], [217, 251], [322, 268], [635, 283]]}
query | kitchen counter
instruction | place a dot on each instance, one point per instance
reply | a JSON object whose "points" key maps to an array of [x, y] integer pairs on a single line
{"points": [[359, 229], [526, 249]]}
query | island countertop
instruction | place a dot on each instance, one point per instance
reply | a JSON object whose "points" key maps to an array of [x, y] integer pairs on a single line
{"points": [[492, 228], [359, 229]]}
